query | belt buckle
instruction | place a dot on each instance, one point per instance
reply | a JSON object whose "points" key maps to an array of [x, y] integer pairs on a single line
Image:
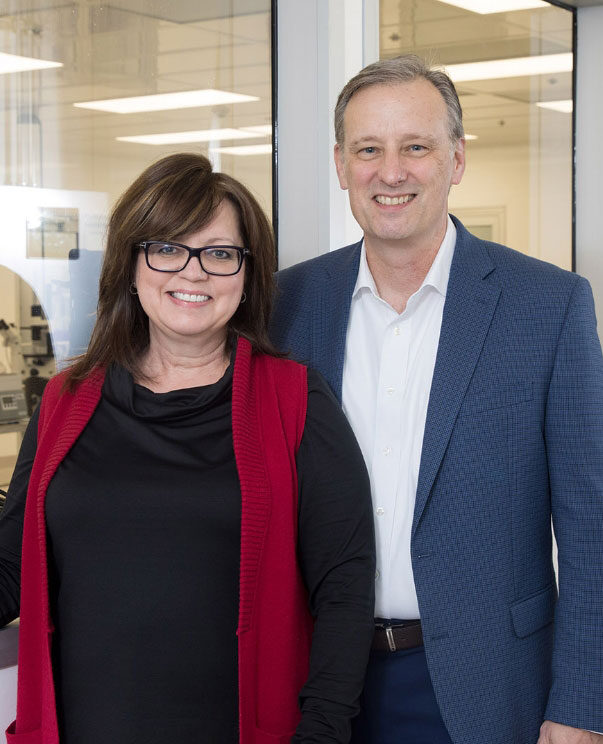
{"points": [[389, 633], [390, 638]]}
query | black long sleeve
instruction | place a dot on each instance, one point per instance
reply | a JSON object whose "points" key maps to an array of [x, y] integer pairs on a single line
{"points": [[11, 525], [336, 552]]}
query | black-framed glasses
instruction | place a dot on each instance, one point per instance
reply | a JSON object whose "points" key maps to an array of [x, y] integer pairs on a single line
{"points": [[219, 260]]}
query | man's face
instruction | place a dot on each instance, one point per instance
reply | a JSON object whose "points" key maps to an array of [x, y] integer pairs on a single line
{"points": [[398, 163]]}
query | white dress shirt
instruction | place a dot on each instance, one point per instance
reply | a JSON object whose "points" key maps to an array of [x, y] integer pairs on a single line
{"points": [[387, 374]]}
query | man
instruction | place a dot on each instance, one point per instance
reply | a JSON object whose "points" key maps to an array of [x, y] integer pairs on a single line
{"points": [[473, 378]]}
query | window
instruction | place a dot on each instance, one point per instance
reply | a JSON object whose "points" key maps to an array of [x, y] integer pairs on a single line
{"points": [[513, 73], [92, 93]]}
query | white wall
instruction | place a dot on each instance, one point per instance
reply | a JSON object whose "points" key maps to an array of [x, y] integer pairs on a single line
{"points": [[322, 43], [524, 185], [497, 178], [589, 152]]}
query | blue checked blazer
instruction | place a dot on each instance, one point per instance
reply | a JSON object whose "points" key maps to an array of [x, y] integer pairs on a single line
{"points": [[513, 436]]}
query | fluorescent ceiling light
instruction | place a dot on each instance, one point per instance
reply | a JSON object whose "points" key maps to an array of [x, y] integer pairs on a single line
{"points": [[176, 138], [496, 6], [544, 64], [566, 107], [166, 101], [471, 137], [264, 129], [244, 150], [14, 63]]}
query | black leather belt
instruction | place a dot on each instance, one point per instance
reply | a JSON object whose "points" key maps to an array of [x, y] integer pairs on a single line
{"points": [[397, 637]]}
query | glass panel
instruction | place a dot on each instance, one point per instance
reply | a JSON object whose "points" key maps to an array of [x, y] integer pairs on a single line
{"points": [[75, 132], [517, 187]]}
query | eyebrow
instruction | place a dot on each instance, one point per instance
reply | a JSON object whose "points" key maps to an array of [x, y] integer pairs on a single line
{"points": [[361, 140], [212, 241], [407, 137], [221, 241]]}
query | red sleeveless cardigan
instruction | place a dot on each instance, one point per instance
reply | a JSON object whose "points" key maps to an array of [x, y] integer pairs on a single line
{"points": [[268, 414]]}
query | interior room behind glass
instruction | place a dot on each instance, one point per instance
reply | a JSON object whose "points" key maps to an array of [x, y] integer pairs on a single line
{"points": [[513, 73], [92, 93]]}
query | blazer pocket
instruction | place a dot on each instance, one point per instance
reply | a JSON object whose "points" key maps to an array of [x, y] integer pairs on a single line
{"points": [[533, 613], [496, 398]]}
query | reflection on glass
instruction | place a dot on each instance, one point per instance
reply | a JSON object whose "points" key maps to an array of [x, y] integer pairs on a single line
{"points": [[92, 94], [26, 363], [513, 73], [52, 232]]}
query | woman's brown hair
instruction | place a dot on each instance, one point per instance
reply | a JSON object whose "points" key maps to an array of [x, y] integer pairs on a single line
{"points": [[177, 195]]}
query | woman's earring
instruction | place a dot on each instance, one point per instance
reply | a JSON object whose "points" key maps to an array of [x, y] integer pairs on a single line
{"points": [[133, 290], [243, 298]]}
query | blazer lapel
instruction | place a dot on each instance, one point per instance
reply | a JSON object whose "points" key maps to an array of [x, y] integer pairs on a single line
{"points": [[468, 310], [332, 315]]}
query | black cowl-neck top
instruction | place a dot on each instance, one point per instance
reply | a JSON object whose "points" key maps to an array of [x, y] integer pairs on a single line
{"points": [[143, 519]]}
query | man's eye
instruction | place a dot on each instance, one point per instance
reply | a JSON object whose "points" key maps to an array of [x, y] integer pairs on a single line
{"points": [[369, 150], [417, 148]]}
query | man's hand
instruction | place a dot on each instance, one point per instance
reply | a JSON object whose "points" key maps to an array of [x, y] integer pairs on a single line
{"points": [[557, 733]]}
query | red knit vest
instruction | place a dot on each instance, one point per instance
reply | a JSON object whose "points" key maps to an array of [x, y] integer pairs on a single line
{"points": [[268, 414]]}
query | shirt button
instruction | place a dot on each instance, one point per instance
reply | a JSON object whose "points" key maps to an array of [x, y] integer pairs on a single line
{"points": [[387, 451], [390, 390], [380, 510], [396, 331], [377, 574]]}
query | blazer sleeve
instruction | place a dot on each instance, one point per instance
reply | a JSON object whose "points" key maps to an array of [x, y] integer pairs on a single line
{"points": [[574, 441], [290, 321]]}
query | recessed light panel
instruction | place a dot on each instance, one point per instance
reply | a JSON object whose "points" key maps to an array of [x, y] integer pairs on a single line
{"points": [[177, 138], [543, 64], [244, 150], [496, 6], [14, 63], [166, 101], [264, 129], [566, 107]]}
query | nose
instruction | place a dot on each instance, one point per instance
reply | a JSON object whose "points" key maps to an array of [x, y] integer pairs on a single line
{"points": [[393, 170], [194, 270]]}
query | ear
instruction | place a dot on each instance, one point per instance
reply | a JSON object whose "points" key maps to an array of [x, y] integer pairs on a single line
{"points": [[458, 162], [138, 267], [339, 165]]}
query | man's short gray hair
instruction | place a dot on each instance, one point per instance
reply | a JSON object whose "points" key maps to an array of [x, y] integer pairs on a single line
{"points": [[403, 69]]}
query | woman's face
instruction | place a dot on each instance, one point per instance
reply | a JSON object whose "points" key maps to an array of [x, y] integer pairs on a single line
{"points": [[190, 304]]}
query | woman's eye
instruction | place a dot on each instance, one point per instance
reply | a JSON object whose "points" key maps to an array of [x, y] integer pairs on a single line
{"points": [[167, 250], [220, 254]]}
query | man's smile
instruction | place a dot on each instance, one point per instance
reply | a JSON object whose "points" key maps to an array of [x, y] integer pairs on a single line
{"points": [[393, 200]]}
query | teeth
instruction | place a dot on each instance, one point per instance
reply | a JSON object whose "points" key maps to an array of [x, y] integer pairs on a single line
{"points": [[189, 297], [389, 200]]}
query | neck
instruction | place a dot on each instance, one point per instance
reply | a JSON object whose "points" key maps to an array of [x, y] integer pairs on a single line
{"points": [[177, 365], [399, 270]]}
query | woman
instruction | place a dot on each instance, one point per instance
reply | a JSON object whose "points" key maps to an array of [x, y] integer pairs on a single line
{"points": [[171, 576]]}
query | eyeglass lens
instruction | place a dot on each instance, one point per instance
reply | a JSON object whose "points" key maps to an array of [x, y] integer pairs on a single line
{"points": [[216, 259]]}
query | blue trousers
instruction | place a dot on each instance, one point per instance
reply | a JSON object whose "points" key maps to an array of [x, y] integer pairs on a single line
{"points": [[398, 702]]}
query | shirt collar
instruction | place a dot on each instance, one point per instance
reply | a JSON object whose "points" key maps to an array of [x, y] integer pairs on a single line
{"points": [[437, 276]]}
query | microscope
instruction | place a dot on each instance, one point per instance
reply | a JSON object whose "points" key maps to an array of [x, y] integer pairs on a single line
{"points": [[13, 407]]}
